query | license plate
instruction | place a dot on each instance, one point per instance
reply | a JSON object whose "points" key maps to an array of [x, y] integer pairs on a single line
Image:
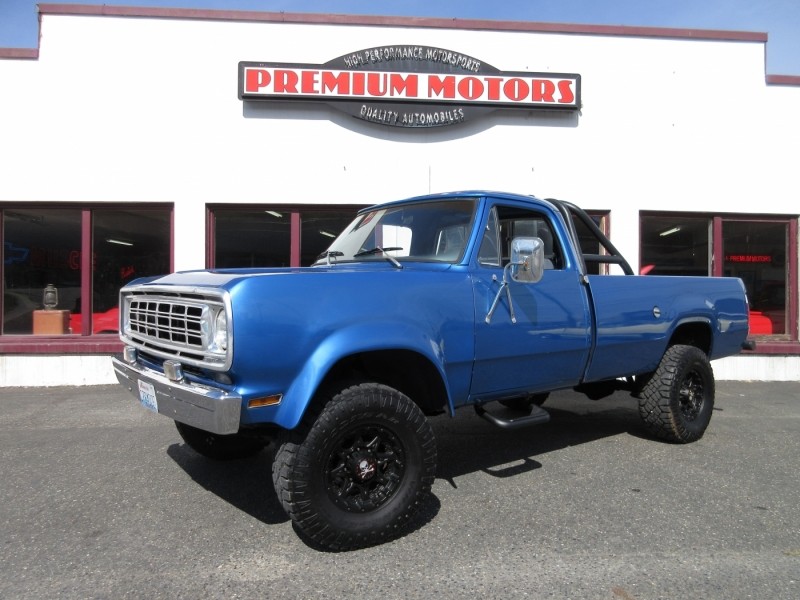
{"points": [[147, 396]]}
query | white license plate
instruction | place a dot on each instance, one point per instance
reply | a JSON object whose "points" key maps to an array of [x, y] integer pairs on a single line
{"points": [[147, 396]]}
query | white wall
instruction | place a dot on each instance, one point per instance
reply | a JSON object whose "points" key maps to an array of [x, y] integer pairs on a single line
{"points": [[145, 110], [48, 371], [142, 109], [53, 370]]}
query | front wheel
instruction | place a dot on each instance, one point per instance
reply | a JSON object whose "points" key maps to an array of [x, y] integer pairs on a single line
{"points": [[359, 473], [677, 401]]}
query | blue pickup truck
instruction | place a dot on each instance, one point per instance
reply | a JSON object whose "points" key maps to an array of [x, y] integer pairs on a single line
{"points": [[419, 307]]}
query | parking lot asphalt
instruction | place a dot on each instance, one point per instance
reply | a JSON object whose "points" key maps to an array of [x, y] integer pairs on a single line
{"points": [[101, 499]]}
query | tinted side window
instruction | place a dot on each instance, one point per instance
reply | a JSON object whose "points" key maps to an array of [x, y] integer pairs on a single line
{"points": [[516, 222], [489, 253]]}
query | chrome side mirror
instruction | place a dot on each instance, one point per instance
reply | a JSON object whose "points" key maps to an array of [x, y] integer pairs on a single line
{"points": [[527, 259], [526, 266]]}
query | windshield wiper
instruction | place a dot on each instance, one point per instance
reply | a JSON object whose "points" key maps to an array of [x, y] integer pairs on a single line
{"points": [[379, 250], [328, 254]]}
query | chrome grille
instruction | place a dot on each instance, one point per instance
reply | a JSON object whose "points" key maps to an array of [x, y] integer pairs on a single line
{"points": [[174, 322], [177, 324]]}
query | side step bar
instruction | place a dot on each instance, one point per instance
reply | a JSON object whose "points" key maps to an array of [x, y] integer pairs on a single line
{"points": [[538, 416]]}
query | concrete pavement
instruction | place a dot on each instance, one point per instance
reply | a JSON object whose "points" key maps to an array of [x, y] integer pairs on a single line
{"points": [[101, 499]]}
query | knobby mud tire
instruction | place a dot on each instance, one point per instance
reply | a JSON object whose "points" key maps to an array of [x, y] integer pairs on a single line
{"points": [[356, 474], [677, 401]]}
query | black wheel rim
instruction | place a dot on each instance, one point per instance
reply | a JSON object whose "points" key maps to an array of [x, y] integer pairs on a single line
{"points": [[365, 468], [691, 396]]}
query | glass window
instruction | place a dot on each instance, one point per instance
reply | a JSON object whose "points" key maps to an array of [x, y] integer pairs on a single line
{"points": [[490, 245], [756, 253], [755, 249], [252, 238], [518, 222], [274, 236], [319, 229], [675, 245], [590, 244], [40, 247], [429, 231], [48, 249], [128, 244]]}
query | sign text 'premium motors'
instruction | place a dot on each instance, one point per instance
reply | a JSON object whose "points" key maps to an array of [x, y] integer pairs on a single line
{"points": [[409, 86]]}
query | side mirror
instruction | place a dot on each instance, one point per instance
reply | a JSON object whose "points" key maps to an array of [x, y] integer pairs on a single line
{"points": [[527, 259]]}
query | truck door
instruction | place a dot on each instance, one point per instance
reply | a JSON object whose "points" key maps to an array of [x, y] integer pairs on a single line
{"points": [[548, 346]]}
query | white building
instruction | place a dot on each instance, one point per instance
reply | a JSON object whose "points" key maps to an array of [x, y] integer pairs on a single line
{"points": [[130, 146]]}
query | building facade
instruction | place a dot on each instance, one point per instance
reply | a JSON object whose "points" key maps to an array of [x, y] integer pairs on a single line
{"points": [[137, 141]]}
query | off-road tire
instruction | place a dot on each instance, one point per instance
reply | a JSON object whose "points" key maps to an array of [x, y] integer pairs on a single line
{"points": [[355, 474], [677, 401], [219, 447]]}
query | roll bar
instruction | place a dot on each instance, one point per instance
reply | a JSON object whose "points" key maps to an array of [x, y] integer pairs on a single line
{"points": [[570, 212]]}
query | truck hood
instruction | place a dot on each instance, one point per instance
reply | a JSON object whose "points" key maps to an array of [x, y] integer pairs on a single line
{"points": [[228, 278]]}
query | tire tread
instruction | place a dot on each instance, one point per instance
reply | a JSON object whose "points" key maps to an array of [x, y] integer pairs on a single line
{"points": [[658, 398], [295, 454]]}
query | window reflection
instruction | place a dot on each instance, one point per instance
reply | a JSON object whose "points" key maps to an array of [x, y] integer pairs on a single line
{"points": [[674, 245], [40, 247], [43, 247], [128, 244], [589, 243], [252, 238], [319, 229], [263, 237], [756, 253], [755, 250]]}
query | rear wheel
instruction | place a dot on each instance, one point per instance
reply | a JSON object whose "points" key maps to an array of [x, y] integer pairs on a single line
{"points": [[359, 473], [219, 447], [677, 401]]}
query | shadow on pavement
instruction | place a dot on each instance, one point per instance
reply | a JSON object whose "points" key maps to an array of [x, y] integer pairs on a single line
{"points": [[466, 444], [469, 443], [245, 484]]}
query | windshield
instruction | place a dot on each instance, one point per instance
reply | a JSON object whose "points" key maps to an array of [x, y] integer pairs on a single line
{"points": [[423, 231]]}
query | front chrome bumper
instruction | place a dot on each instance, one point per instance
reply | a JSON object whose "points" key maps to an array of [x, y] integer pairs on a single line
{"points": [[209, 409]]}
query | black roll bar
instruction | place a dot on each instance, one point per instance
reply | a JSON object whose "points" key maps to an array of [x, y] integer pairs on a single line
{"points": [[570, 211]]}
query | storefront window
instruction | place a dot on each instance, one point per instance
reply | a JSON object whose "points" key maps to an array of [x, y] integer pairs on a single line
{"points": [[273, 236], [81, 257], [252, 238], [675, 245], [127, 244], [756, 249], [756, 253], [40, 248]]}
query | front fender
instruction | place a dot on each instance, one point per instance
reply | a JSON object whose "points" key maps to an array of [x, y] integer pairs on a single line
{"points": [[339, 345]]}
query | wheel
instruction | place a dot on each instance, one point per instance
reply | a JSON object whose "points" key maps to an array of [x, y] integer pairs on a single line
{"points": [[359, 473], [219, 447], [525, 402], [677, 401]]}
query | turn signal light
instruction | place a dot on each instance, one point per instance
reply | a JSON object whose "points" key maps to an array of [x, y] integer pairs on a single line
{"points": [[265, 401]]}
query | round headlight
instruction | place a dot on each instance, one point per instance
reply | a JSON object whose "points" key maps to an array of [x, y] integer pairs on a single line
{"points": [[221, 330]]}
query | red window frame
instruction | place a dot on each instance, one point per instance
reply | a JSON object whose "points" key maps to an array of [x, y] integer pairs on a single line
{"points": [[85, 341], [766, 346], [295, 225], [717, 220]]}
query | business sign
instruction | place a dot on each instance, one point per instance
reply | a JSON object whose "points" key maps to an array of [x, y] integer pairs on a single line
{"points": [[748, 258], [409, 86]]}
